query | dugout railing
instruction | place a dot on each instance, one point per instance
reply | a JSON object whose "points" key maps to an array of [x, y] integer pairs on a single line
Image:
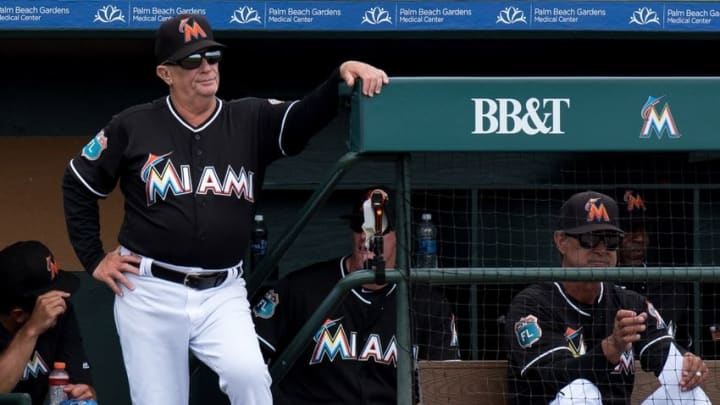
{"points": [[478, 115]]}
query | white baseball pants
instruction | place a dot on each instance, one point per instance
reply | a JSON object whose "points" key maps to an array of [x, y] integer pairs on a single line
{"points": [[160, 320]]}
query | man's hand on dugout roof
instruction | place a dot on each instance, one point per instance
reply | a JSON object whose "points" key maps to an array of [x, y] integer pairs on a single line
{"points": [[372, 78]]}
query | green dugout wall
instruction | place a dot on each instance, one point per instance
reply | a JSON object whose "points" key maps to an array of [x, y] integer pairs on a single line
{"points": [[647, 120]]}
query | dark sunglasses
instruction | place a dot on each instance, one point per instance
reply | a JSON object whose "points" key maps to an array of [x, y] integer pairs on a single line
{"points": [[195, 60], [591, 240]]}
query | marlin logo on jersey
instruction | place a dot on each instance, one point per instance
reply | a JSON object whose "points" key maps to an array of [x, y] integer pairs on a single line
{"points": [[576, 343], [340, 344], [34, 367], [192, 30], [626, 365], [95, 147], [162, 178]]}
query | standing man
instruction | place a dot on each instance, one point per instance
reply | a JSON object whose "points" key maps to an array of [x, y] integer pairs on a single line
{"points": [[190, 167], [352, 357], [38, 325], [577, 341]]}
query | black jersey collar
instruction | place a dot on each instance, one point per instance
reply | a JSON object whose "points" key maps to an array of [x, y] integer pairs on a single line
{"points": [[357, 291], [218, 108], [574, 304]]}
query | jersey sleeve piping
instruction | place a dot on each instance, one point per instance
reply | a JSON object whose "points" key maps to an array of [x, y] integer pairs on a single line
{"points": [[266, 343], [652, 342], [536, 359], [79, 177], [282, 127]]}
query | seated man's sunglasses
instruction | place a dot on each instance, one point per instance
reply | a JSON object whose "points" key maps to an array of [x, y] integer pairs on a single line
{"points": [[195, 60], [591, 240]]}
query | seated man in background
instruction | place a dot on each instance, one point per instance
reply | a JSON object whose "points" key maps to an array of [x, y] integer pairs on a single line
{"points": [[671, 298], [352, 358], [576, 341], [38, 324]]}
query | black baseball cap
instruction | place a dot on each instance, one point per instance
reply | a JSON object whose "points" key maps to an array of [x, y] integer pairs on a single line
{"points": [[181, 36], [589, 211], [356, 217], [28, 269], [634, 210]]}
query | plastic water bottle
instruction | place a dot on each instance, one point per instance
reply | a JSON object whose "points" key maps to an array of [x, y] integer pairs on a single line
{"points": [[259, 241], [57, 380], [427, 243]]}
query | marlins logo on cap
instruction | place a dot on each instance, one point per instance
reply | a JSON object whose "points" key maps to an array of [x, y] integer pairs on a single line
{"points": [[183, 35], [589, 211]]}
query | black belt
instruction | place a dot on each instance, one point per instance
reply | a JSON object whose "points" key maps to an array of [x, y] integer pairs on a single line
{"points": [[196, 281]]}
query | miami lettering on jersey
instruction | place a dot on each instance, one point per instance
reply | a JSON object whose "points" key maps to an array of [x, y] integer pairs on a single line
{"points": [[161, 178], [332, 345], [35, 367]]}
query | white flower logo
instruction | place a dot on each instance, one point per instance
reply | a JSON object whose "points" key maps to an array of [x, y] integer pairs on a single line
{"points": [[644, 16], [109, 14], [375, 16], [245, 15], [511, 15]]}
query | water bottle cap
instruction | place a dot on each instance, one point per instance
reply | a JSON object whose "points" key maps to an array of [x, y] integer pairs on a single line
{"points": [[426, 216], [259, 217], [59, 364]]}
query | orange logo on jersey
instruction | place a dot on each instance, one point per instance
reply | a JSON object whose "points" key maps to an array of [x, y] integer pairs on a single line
{"points": [[634, 202], [52, 267], [194, 31], [596, 212]]}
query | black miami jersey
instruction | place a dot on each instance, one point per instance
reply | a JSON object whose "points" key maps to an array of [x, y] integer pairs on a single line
{"points": [[59, 343], [352, 357], [190, 191], [555, 340]]}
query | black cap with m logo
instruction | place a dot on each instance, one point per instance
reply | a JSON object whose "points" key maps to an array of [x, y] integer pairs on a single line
{"points": [[182, 36]]}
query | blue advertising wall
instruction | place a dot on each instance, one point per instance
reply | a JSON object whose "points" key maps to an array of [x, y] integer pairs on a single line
{"points": [[369, 16]]}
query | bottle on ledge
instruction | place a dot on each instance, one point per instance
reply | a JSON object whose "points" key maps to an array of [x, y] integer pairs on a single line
{"points": [[426, 256], [57, 380], [259, 241]]}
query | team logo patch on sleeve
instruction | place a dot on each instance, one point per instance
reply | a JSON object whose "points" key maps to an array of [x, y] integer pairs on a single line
{"points": [[527, 331], [95, 147], [265, 309]]}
